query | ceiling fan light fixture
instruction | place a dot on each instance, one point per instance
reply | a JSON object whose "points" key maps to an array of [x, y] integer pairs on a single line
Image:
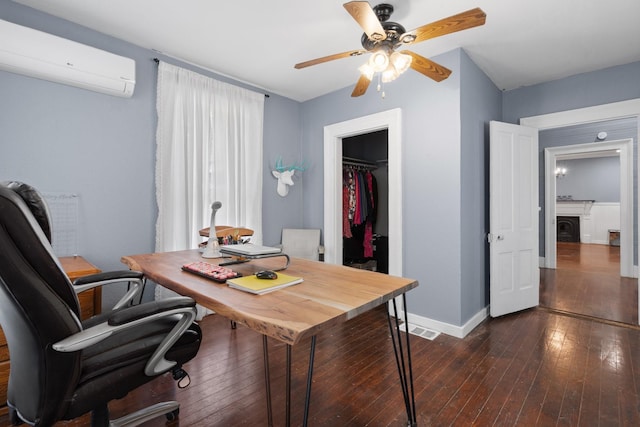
{"points": [[366, 70], [379, 61], [401, 61], [390, 74]]}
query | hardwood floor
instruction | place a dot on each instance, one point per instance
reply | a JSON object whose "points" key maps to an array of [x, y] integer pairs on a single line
{"points": [[587, 282], [535, 367], [531, 368]]}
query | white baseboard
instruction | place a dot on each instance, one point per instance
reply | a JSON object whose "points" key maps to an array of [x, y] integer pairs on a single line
{"points": [[446, 328]]}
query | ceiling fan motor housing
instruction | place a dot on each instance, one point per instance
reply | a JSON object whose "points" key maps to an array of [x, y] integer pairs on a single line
{"points": [[393, 30]]}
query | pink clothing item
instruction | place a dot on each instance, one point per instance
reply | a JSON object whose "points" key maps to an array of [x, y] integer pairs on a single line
{"points": [[367, 242], [346, 225], [357, 217]]}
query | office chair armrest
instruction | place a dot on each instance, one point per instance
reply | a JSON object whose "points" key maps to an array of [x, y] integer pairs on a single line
{"points": [[135, 279], [131, 317], [137, 312]]}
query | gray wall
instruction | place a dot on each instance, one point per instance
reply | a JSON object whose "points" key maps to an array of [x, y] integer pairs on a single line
{"points": [[480, 103], [439, 136], [605, 86], [64, 139], [595, 178], [583, 90]]}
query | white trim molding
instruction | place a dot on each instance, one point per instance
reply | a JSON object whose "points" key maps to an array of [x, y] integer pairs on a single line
{"points": [[333, 134], [447, 328], [598, 113], [615, 110], [626, 198]]}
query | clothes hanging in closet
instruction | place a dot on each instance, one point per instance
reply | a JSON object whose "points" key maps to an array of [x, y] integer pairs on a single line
{"points": [[359, 201]]}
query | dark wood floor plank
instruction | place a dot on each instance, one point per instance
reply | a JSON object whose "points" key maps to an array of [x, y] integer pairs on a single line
{"points": [[514, 360], [587, 281], [471, 398], [540, 382], [611, 359], [629, 397], [574, 357], [536, 367], [517, 357]]}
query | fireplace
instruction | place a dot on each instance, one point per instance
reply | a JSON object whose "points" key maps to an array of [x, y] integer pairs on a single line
{"points": [[568, 228]]}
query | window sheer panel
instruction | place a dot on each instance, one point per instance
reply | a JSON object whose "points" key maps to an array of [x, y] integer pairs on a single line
{"points": [[209, 147]]}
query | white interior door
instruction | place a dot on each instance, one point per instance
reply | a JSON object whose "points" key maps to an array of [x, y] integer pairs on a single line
{"points": [[513, 236]]}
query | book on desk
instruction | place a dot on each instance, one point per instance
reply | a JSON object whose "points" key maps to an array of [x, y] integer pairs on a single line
{"points": [[259, 286]]}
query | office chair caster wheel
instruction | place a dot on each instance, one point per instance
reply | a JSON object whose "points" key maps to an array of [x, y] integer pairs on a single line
{"points": [[173, 415]]}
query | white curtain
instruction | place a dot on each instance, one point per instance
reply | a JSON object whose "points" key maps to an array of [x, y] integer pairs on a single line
{"points": [[209, 148]]}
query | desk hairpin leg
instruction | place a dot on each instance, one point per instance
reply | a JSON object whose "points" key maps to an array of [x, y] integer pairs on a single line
{"points": [[403, 362], [267, 380], [307, 399], [288, 387]]}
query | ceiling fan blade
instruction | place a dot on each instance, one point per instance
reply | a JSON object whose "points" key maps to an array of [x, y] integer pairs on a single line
{"points": [[364, 15], [361, 86], [462, 21], [329, 58], [427, 67]]}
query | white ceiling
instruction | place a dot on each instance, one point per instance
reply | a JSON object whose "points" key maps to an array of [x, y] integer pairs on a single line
{"points": [[523, 42]]}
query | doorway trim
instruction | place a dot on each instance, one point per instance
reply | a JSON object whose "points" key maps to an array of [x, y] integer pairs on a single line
{"points": [[333, 135], [615, 110], [626, 198]]}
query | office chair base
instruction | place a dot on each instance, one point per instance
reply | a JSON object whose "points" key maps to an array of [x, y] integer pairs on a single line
{"points": [[169, 409]]}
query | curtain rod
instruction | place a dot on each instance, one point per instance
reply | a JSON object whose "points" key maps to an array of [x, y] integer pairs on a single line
{"points": [[157, 61]]}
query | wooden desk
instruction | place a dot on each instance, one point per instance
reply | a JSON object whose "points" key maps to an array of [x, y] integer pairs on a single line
{"points": [[329, 295]]}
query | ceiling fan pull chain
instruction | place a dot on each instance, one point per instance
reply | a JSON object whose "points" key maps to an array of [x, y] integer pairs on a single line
{"points": [[380, 85]]}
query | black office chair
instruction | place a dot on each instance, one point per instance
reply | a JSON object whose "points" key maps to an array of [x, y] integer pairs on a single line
{"points": [[61, 367]]}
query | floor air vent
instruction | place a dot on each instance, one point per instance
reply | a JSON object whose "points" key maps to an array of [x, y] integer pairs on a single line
{"points": [[420, 331]]}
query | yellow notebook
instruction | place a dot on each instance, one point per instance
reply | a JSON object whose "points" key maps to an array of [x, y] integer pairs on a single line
{"points": [[262, 286]]}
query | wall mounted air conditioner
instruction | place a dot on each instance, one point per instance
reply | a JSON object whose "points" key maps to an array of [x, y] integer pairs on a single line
{"points": [[45, 56]]}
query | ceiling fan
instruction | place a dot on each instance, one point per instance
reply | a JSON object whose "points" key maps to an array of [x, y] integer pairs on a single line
{"points": [[382, 38]]}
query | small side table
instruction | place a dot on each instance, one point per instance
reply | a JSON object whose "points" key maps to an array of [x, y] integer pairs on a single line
{"points": [[90, 300]]}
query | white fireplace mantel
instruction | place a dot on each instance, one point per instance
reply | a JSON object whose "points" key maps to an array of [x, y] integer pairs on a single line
{"points": [[573, 207]]}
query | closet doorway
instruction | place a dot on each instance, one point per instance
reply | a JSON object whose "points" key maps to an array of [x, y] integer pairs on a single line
{"points": [[333, 136], [365, 187]]}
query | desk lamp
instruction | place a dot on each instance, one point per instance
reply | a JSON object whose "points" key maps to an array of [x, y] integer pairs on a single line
{"points": [[213, 248]]}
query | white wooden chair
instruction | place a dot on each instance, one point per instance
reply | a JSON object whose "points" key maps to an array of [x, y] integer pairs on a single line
{"points": [[302, 243]]}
